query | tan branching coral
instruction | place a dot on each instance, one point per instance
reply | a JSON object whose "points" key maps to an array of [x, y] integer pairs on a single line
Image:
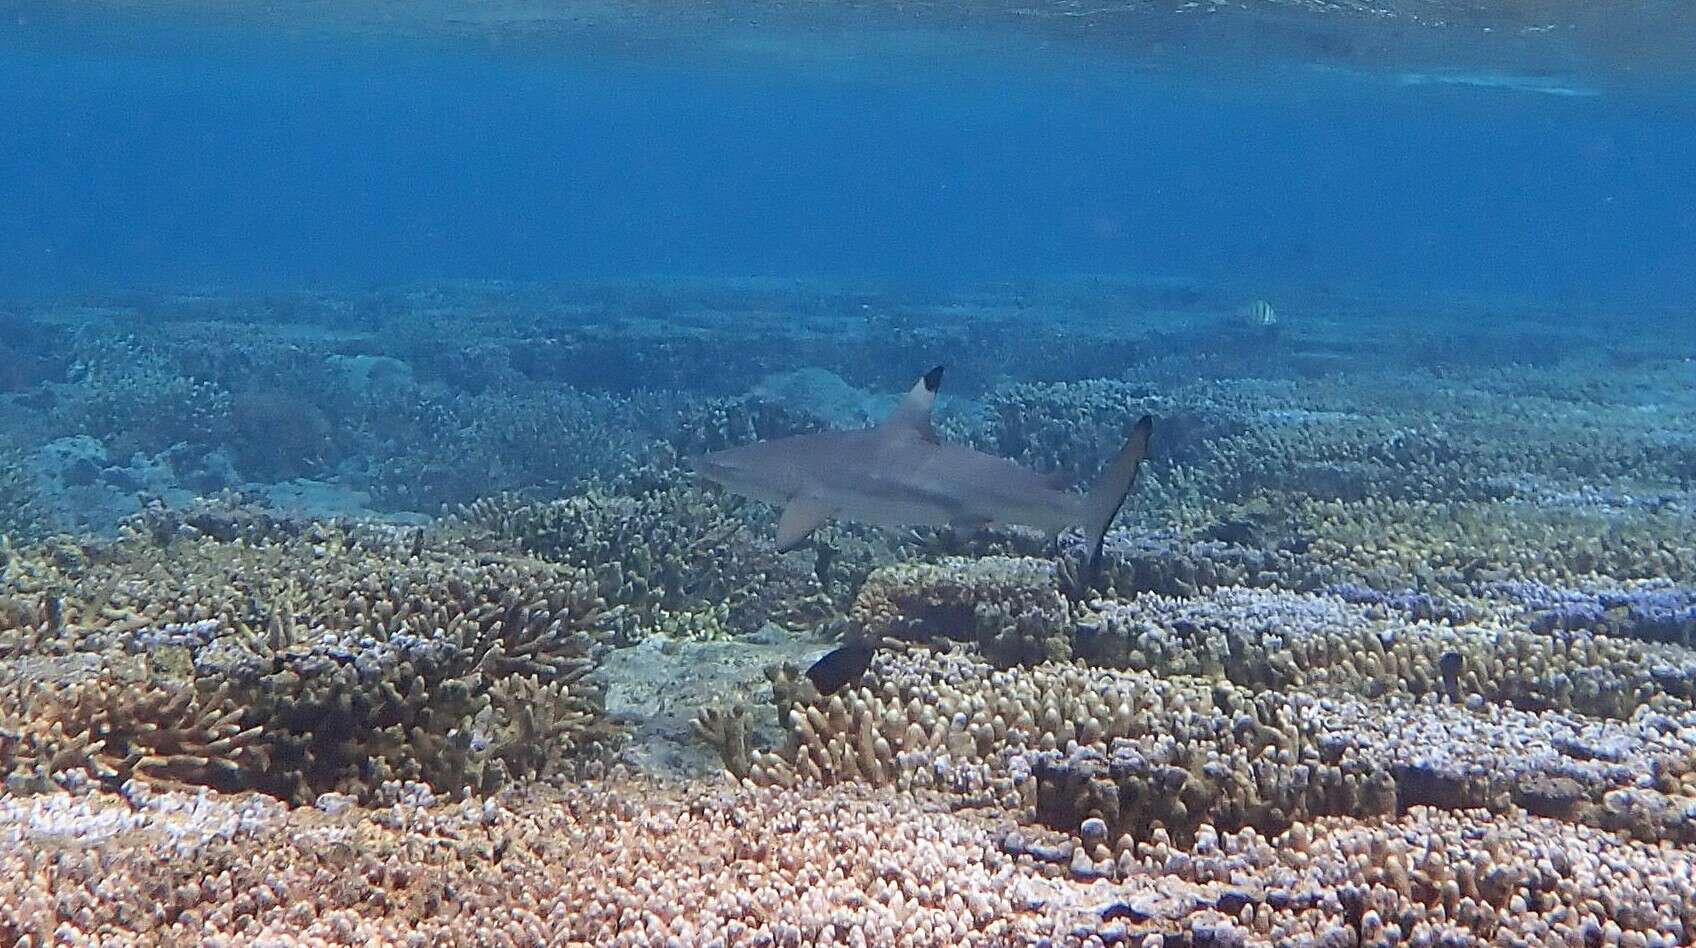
{"points": [[1457, 544], [727, 731], [20, 514], [111, 729], [1143, 752], [351, 656], [670, 559], [1425, 876], [638, 864], [127, 393]]}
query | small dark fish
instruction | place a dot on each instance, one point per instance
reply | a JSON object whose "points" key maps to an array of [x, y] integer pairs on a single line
{"points": [[840, 666], [1451, 665]]}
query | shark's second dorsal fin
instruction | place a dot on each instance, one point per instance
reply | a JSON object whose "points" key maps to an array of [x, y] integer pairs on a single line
{"points": [[913, 414]]}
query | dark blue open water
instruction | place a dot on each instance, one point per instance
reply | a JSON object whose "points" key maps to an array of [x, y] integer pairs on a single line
{"points": [[211, 158]]}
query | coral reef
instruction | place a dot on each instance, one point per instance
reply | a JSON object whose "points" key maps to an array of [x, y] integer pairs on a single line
{"points": [[109, 728], [418, 450], [344, 657], [1011, 608], [716, 423], [132, 398], [1464, 547], [1389, 649], [626, 864], [1422, 877], [668, 558], [1272, 640], [1656, 610], [278, 435], [1073, 427], [1150, 753], [20, 514]]}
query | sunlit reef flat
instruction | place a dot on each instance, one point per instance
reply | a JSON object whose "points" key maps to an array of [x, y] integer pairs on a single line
{"points": [[397, 616]]}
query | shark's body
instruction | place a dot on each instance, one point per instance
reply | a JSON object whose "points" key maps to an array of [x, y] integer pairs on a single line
{"points": [[900, 474]]}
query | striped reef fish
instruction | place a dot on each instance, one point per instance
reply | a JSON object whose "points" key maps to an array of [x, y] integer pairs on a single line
{"points": [[1261, 314]]}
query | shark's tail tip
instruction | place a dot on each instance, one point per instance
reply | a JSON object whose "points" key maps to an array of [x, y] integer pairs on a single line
{"points": [[1103, 502]]}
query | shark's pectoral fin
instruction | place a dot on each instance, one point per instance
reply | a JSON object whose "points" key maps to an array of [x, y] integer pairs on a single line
{"points": [[800, 517]]}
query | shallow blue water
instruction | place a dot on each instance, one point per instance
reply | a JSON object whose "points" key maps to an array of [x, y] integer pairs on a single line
{"points": [[172, 161]]}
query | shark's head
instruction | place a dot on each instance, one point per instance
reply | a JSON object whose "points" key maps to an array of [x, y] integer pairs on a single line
{"points": [[718, 468], [745, 471]]}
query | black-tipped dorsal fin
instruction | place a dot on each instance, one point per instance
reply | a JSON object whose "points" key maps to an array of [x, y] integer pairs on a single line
{"points": [[913, 414]]}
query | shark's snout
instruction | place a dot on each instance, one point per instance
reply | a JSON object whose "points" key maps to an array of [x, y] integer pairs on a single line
{"points": [[705, 466], [725, 472]]}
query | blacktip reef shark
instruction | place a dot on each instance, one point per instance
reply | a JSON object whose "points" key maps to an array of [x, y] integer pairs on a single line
{"points": [[900, 473]]}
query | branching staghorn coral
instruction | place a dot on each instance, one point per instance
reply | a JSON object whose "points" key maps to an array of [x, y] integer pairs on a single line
{"points": [[418, 446], [637, 864], [668, 559], [713, 424], [1244, 708], [111, 727], [132, 398], [1654, 610], [353, 656], [20, 515], [1263, 639]]}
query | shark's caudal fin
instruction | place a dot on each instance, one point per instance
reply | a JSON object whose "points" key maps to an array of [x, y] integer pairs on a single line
{"points": [[1102, 503]]}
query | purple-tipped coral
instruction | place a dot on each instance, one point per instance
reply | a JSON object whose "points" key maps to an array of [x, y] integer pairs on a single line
{"points": [[1657, 612], [1411, 603]]}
